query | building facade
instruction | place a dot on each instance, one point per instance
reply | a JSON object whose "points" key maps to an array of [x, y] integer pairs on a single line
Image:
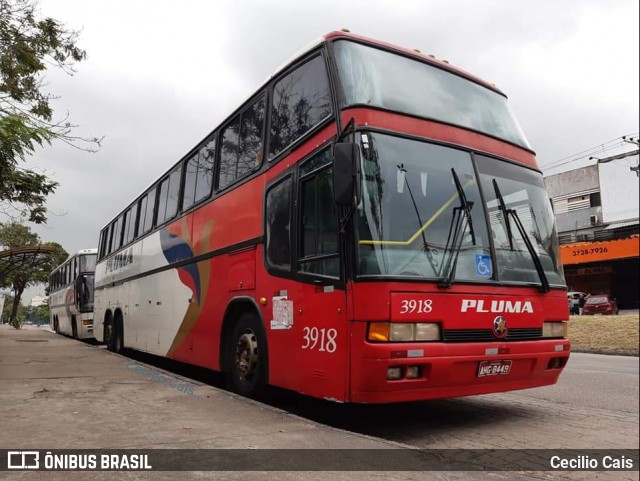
{"points": [[596, 209]]}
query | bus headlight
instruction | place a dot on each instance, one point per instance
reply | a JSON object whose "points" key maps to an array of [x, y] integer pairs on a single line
{"points": [[427, 331], [403, 331], [555, 329]]}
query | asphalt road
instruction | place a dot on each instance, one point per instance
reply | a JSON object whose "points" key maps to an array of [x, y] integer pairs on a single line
{"points": [[594, 405]]}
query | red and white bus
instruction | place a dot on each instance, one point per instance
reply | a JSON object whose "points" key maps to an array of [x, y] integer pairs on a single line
{"points": [[370, 226], [71, 287]]}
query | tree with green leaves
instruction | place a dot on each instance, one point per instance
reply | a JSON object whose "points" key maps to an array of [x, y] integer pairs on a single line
{"points": [[29, 45], [33, 270], [8, 307]]}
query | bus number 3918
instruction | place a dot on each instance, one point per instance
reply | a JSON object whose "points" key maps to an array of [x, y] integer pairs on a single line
{"points": [[322, 339], [409, 306]]}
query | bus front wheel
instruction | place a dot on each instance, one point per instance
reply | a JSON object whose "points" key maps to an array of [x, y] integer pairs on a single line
{"points": [[74, 328], [246, 357]]}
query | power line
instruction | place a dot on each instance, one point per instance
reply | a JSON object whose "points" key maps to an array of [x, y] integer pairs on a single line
{"points": [[600, 148], [617, 139], [616, 157]]}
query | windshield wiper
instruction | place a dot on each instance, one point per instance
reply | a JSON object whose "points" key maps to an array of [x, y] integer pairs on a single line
{"points": [[425, 244], [525, 237], [459, 222]]}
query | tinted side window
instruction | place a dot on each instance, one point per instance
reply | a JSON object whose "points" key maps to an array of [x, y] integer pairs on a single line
{"points": [[117, 234], [132, 217], [174, 194], [162, 200], [278, 217], [190, 178], [241, 148], [109, 239], [229, 153], [205, 170], [168, 197], [147, 205], [319, 223], [301, 100], [199, 175], [319, 230], [251, 134], [101, 243], [127, 225]]}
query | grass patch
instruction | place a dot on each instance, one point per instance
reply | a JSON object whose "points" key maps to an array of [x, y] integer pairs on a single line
{"points": [[605, 334]]}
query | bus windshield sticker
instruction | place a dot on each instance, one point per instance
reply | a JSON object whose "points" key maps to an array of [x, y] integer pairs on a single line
{"points": [[282, 313], [483, 265]]}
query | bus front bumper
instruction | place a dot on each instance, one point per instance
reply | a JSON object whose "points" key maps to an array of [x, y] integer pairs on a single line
{"points": [[451, 369]]}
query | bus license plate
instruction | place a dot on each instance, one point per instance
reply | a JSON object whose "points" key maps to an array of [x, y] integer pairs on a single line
{"points": [[494, 368]]}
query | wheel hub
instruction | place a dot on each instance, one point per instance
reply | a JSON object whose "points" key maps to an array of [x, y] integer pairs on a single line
{"points": [[246, 358]]}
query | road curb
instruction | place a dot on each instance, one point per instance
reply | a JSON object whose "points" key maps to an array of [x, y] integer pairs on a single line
{"points": [[607, 352]]}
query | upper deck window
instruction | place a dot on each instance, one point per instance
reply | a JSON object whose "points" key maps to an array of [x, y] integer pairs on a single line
{"points": [[168, 198], [198, 175], [301, 100], [383, 79], [241, 146]]}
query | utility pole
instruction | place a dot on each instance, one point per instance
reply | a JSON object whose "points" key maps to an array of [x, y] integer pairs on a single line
{"points": [[634, 141], [630, 140]]}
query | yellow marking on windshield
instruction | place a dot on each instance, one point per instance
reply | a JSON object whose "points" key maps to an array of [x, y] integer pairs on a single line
{"points": [[424, 227]]}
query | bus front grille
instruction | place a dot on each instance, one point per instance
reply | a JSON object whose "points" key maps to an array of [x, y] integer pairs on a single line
{"points": [[486, 335]]}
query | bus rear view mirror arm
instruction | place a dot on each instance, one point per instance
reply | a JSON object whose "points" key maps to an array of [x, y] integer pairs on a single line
{"points": [[346, 174]]}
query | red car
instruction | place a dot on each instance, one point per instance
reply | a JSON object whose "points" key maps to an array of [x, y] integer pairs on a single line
{"points": [[600, 304]]}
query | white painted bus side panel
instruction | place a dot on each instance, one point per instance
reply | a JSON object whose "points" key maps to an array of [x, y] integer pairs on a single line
{"points": [[162, 317], [152, 316], [99, 303]]}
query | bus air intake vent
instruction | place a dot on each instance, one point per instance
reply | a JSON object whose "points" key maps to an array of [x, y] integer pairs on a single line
{"points": [[486, 335]]}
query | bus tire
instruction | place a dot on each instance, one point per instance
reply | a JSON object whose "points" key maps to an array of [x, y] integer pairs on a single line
{"points": [[74, 327], [108, 333], [56, 326], [116, 336], [246, 361]]}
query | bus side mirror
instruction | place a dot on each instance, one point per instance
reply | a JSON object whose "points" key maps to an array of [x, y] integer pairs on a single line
{"points": [[346, 174]]}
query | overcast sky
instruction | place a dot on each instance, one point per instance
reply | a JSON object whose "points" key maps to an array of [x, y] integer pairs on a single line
{"points": [[161, 74]]}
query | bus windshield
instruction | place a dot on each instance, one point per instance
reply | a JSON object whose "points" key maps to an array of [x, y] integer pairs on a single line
{"points": [[524, 193], [408, 208], [408, 205], [378, 78], [88, 262], [85, 290]]}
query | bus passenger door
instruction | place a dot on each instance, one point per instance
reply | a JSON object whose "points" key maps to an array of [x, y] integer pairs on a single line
{"points": [[308, 329]]}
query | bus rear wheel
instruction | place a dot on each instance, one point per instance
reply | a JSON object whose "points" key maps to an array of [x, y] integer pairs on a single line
{"points": [[114, 335], [246, 357]]}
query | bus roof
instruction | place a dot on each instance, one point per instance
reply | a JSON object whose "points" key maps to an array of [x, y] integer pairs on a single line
{"points": [[443, 64], [93, 250], [334, 35], [415, 53]]}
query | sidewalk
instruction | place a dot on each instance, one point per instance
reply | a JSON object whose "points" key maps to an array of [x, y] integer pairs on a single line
{"points": [[58, 393]]}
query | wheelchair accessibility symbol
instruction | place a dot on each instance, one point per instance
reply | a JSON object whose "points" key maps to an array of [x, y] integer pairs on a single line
{"points": [[483, 265]]}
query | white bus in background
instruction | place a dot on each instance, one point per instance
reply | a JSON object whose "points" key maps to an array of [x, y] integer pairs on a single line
{"points": [[71, 287]]}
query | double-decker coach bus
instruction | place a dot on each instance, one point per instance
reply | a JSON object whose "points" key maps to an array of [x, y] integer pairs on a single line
{"points": [[71, 287], [370, 226]]}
